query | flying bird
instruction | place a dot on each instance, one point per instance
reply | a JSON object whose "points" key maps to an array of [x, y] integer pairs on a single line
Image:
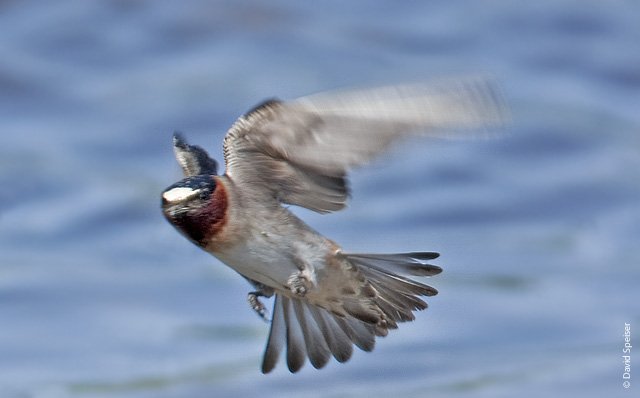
{"points": [[298, 153]]}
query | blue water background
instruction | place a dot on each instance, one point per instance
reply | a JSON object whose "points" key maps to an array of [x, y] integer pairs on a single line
{"points": [[539, 232]]}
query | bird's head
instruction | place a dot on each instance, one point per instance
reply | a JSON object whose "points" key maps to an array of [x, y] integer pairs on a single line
{"points": [[196, 205]]}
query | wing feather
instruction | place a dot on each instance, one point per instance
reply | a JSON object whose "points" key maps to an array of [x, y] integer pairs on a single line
{"points": [[301, 151]]}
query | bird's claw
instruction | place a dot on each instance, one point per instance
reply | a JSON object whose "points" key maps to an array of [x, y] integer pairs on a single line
{"points": [[299, 283], [257, 305]]}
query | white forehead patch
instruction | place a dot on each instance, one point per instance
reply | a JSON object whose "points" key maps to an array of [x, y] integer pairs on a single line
{"points": [[179, 194]]}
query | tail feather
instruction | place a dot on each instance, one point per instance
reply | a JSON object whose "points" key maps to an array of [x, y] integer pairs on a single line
{"points": [[393, 305], [296, 349], [315, 342], [386, 297], [403, 301], [362, 334], [337, 340], [276, 339], [312, 331], [402, 263]]}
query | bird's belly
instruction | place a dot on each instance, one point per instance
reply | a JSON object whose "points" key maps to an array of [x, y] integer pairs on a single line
{"points": [[261, 261]]}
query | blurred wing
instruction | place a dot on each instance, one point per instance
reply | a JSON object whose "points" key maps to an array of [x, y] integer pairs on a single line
{"points": [[300, 151]]}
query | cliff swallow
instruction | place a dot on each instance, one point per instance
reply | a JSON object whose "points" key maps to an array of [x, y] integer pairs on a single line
{"points": [[298, 153]]}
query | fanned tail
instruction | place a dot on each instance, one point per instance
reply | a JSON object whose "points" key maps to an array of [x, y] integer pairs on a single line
{"points": [[397, 296], [401, 263], [310, 331]]}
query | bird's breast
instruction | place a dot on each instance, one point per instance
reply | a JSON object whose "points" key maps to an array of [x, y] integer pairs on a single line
{"points": [[208, 222]]}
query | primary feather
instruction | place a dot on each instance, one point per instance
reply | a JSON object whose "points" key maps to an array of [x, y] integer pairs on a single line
{"points": [[301, 151]]}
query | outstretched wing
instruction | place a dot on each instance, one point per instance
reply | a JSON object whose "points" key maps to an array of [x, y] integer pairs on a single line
{"points": [[300, 151]]}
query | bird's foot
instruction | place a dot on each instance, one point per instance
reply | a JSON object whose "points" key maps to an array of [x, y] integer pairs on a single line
{"points": [[262, 290], [299, 284], [257, 305]]}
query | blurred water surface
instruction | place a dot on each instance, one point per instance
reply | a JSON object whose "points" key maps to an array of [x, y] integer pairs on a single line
{"points": [[540, 232]]}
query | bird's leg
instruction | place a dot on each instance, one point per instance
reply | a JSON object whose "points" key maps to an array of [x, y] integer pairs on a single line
{"points": [[301, 281], [262, 290], [257, 305]]}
